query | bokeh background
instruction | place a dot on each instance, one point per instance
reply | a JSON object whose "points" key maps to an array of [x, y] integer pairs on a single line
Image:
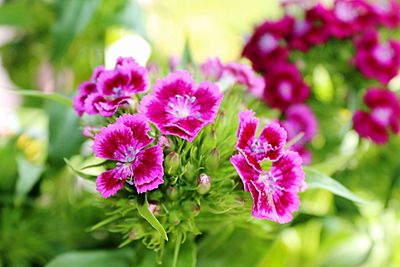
{"points": [[46, 212]]}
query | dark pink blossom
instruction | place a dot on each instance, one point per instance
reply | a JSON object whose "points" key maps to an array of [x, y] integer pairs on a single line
{"points": [[266, 46], [351, 17], [109, 89], [269, 144], [314, 29], [383, 116], [179, 107], [125, 142], [284, 86], [388, 12], [380, 61], [274, 192]]}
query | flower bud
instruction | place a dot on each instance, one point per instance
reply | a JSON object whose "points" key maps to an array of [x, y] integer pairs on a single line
{"points": [[174, 218], [154, 207], [172, 193], [191, 208], [165, 143], [212, 161], [204, 184], [136, 232], [172, 162], [190, 172]]}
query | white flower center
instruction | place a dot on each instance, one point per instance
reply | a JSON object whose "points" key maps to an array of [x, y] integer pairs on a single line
{"points": [[267, 43], [301, 27], [345, 12], [382, 115], [383, 53], [181, 106], [285, 89]]}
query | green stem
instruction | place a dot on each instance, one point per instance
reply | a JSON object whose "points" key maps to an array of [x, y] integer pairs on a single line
{"points": [[177, 248]]}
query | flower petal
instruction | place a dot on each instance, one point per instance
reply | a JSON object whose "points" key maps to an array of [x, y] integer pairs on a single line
{"points": [[109, 183], [246, 172], [139, 127], [274, 136]]}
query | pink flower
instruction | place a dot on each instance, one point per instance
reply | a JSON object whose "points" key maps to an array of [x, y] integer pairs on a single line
{"points": [[376, 60], [179, 107], [388, 12], [274, 192], [351, 17], [265, 48], [384, 115], [284, 86], [109, 89], [242, 74], [269, 145], [313, 30], [125, 142]]}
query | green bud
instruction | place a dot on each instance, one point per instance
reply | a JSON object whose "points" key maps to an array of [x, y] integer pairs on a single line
{"points": [[203, 184], [174, 218], [172, 162], [136, 232], [212, 161], [172, 193], [191, 208], [190, 172]]}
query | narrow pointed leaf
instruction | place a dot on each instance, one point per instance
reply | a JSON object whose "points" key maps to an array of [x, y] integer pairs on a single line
{"points": [[143, 209]]}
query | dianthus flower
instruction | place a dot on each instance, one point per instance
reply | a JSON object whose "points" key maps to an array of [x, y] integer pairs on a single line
{"points": [[269, 144], [265, 47], [388, 12], [384, 115], [126, 142], [284, 86], [351, 17], [275, 191], [380, 61], [179, 107], [109, 89], [314, 29]]}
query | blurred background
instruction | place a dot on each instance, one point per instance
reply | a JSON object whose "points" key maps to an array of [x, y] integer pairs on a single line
{"points": [[46, 212]]}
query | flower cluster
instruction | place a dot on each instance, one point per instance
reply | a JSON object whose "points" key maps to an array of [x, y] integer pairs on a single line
{"points": [[176, 106], [270, 46], [384, 115], [274, 191], [107, 90]]}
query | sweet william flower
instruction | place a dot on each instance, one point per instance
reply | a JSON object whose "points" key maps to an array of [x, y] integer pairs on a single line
{"points": [[380, 61], [274, 192], [384, 115], [269, 145], [284, 86], [126, 142], [388, 12], [177, 106]]}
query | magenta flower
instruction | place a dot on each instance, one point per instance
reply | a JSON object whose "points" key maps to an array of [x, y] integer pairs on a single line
{"points": [[125, 142], [179, 107], [242, 74], [284, 86], [384, 115], [274, 192], [376, 60], [109, 89], [314, 29], [269, 145], [265, 47], [388, 12], [351, 17]]}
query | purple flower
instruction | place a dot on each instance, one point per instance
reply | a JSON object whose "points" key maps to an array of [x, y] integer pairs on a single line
{"points": [[179, 107], [265, 48], [274, 192], [269, 145], [242, 74], [284, 86], [109, 89], [314, 29], [384, 115], [376, 60], [125, 142], [351, 17]]}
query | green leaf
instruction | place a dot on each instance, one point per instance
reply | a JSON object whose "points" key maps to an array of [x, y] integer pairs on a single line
{"points": [[99, 258], [78, 172], [61, 99], [75, 16], [15, 14], [316, 179], [143, 209], [29, 174], [187, 58]]}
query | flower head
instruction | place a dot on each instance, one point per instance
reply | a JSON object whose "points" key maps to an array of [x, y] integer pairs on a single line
{"points": [[384, 115], [179, 107], [269, 145], [351, 17], [388, 12], [377, 60], [284, 86], [109, 89], [265, 47], [125, 142], [275, 191]]}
